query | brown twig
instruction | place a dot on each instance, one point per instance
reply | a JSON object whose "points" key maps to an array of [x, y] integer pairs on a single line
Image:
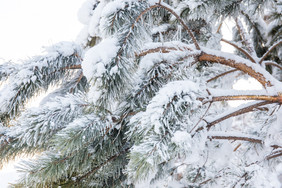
{"points": [[242, 138], [274, 155], [77, 82], [183, 24], [268, 52], [238, 65], [222, 74], [240, 49], [270, 98], [242, 35], [201, 118], [161, 49], [233, 114], [274, 64], [220, 24]]}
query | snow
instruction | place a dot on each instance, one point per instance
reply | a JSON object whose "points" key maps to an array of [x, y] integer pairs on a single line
{"points": [[181, 137], [97, 58], [160, 28], [85, 12], [64, 48], [93, 28]]}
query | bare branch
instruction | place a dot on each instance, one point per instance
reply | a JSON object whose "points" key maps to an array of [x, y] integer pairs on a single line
{"points": [[274, 154], [232, 137], [201, 118], [234, 113], [243, 36], [270, 50], [182, 23], [274, 64], [240, 49], [161, 49], [207, 56], [222, 74], [273, 99], [238, 65], [220, 24]]}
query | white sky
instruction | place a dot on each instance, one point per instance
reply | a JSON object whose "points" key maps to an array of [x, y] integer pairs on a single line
{"points": [[26, 26]]}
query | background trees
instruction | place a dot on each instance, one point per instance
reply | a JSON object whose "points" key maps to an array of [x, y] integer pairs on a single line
{"points": [[142, 98]]}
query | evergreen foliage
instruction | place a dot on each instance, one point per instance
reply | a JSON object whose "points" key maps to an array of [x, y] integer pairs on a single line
{"points": [[141, 99]]}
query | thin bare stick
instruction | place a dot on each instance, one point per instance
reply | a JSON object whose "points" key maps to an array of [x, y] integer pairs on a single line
{"points": [[237, 113], [233, 114], [72, 67], [201, 117], [240, 49], [243, 37], [222, 74], [77, 82], [182, 23], [161, 49], [220, 24], [268, 52], [274, 64], [274, 155], [232, 137], [270, 98]]}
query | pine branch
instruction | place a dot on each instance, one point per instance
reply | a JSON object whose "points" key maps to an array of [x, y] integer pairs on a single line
{"points": [[35, 75], [131, 29], [81, 147], [231, 61], [37, 126], [80, 178]]}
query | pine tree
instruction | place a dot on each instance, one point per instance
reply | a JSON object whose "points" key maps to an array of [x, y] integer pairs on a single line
{"points": [[142, 98]]}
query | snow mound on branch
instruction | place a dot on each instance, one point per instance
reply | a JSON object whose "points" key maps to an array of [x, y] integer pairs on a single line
{"points": [[156, 109], [86, 10], [97, 58], [62, 48]]}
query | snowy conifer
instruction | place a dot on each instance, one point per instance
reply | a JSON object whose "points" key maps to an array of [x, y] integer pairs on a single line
{"points": [[141, 98]]}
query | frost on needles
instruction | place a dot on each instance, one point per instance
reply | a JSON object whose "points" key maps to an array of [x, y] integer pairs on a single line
{"points": [[141, 99]]}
